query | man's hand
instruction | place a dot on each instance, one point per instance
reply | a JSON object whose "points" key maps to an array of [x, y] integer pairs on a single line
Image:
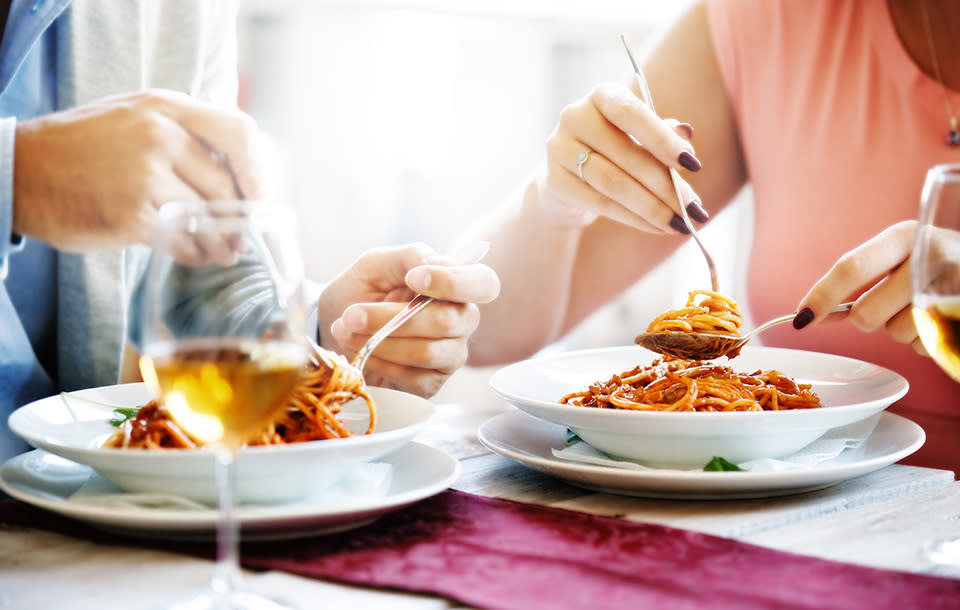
{"points": [[420, 355], [92, 177]]}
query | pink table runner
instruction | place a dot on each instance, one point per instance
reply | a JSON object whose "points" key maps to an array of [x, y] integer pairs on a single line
{"points": [[496, 553]]}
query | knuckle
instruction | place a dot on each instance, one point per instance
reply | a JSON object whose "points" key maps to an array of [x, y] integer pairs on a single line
{"points": [[447, 319], [906, 228], [425, 354], [430, 384], [570, 114], [615, 183], [554, 147], [862, 320], [919, 347], [858, 318], [850, 267], [156, 131]]}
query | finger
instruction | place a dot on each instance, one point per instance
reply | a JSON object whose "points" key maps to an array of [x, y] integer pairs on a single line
{"points": [[576, 193], [901, 327], [438, 320], [204, 171], [225, 130], [610, 181], [459, 284], [386, 374], [183, 246], [585, 128], [444, 354], [883, 301], [219, 245], [203, 243], [856, 270], [919, 347], [627, 111], [387, 267], [441, 355], [684, 130]]}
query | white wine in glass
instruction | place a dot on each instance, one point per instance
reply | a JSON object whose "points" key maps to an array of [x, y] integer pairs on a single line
{"points": [[935, 274], [220, 323]]}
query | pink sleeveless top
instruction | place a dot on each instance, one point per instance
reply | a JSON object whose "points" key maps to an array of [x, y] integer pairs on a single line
{"points": [[838, 127]]}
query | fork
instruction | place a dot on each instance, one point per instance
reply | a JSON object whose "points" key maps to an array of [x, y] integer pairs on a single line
{"points": [[674, 176]]}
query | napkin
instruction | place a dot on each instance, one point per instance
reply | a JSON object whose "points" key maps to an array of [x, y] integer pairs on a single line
{"points": [[833, 442], [493, 553], [371, 479]]}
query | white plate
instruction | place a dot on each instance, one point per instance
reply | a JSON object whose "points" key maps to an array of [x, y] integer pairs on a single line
{"points": [[530, 441], [74, 429], [849, 389], [47, 481]]}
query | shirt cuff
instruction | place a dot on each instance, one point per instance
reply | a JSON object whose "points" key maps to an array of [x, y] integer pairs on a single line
{"points": [[9, 242]]}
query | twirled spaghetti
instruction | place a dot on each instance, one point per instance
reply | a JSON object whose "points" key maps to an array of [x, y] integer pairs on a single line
{"points": [[311, 414], [705, 311], [690, 385]]}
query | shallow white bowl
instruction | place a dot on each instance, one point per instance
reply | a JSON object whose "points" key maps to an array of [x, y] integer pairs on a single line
{"points": [[849, 389], [74, 428]]}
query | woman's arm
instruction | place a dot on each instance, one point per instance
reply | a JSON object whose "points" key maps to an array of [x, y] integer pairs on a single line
{"points": [[555, 265]]}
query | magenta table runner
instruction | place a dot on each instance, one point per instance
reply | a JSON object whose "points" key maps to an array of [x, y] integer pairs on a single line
{"points": [[494, 553]]}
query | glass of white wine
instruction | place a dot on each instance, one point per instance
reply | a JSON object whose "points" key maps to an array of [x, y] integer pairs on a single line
{"points": [[935, 274], [221, 318]]}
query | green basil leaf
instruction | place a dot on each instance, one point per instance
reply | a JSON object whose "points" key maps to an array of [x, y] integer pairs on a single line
{"points": [[123, 414], [719, 464]]}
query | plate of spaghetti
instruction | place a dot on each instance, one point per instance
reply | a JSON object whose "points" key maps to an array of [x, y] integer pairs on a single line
{"points": [[301, 453], [633, 404]]}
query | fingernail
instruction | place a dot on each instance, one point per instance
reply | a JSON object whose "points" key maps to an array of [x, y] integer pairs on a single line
{"points": [[696, 212], [418, 279], [678, 225], [355, 319], [803, 317], [686, 128], [689, 161], [339, 332]]}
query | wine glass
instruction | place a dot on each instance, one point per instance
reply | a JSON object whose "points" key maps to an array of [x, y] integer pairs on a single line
{"points": [[221, 318], [935, 274]]}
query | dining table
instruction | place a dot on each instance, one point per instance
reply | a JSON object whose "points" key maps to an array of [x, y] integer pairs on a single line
{"points": [[869, 530]]}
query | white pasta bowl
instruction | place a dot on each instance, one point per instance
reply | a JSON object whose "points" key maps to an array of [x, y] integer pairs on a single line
{"points": [[74, 428], [850, 390]]}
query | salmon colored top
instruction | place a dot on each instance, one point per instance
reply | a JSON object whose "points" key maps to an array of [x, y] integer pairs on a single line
{"points": [[838, 127]]}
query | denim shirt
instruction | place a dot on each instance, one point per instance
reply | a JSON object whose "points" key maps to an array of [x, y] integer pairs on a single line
{"points": [[28, 267]]}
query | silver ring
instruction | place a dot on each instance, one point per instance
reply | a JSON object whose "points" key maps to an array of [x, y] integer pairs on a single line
{"points": [[581, 159]]}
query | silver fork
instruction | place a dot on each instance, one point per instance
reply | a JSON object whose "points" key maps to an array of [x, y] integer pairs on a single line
{"points": [[470, 254], [674, 176]]}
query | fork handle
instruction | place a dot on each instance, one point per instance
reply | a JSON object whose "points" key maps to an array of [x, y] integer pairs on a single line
{"points": [[416, 304], [842, 307]]}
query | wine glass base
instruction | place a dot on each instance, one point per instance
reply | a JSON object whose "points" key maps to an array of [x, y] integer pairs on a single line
{"points": [[237, 600], [944, 552]]}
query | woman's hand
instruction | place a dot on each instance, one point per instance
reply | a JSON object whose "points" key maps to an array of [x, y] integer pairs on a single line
{"points": [[624, 176], [420, 355], [877, 275]]}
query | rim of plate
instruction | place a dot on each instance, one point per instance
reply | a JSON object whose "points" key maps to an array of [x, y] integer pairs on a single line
{"points": [[901, 384], [334, 444]]}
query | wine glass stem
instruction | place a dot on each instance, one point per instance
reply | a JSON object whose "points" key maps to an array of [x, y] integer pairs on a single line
{"points": [[226, 576]]}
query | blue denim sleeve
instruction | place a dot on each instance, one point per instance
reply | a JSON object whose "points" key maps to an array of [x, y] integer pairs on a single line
{"points": [[9, 242]]}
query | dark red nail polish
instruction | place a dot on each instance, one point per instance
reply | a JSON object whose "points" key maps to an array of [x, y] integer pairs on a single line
{"points": [[696, 212], [686, 128], [678, 225], [689, 161], [803, 317]]}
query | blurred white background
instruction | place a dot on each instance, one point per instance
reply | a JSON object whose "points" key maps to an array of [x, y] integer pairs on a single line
{"points": [[406, 120]]}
